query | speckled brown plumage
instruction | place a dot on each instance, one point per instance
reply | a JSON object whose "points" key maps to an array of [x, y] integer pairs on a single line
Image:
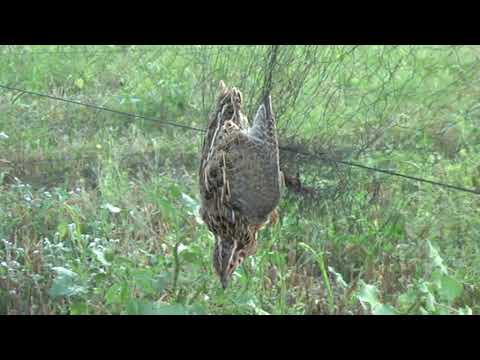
{"points": [[240, 180]]}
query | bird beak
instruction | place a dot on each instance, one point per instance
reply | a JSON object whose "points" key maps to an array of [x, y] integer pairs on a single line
{"points": [[268, 105], [224, 281]]}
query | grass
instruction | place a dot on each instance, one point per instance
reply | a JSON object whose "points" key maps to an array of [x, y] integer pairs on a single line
{"points": [[118, 233]]}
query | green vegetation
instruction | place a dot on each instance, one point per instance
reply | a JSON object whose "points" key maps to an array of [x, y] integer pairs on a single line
{"points": [[110, 225]]}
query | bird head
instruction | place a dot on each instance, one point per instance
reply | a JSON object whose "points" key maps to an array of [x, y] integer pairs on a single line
{"points": [[227, 256]]}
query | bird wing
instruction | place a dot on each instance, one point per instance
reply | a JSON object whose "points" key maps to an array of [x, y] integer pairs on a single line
{"points": [[252, 176], [239, 169]]}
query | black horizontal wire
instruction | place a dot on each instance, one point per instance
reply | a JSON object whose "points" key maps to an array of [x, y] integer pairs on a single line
{"points": [[388, 172], [101, 108], [319, 157]]}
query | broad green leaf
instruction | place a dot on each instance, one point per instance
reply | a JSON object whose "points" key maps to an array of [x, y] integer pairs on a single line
{"points": [[66, 283], [407, 299], [134, 307], [113, 295], [450, 288], [161, 282], [383, 309], [197, 309], [161, 309], [61, 271], [436, 258], [80, 308], [465, 311], [436, 278], [369, 294], [145, 281]]}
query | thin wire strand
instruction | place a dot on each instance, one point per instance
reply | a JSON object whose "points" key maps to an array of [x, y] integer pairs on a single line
{"points": [[318, 157], [102, 108], [385, 171]]}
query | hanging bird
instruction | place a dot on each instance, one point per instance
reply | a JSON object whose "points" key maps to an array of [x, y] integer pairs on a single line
{"points": [[240, 179]]}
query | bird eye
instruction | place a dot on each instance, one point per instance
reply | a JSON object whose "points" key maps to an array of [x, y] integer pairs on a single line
{"points": [[241, 257]]}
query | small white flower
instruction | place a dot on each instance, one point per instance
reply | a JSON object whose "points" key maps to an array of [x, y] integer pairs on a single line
{"points": [[181, 248], [113, 209], [3, 135]]}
